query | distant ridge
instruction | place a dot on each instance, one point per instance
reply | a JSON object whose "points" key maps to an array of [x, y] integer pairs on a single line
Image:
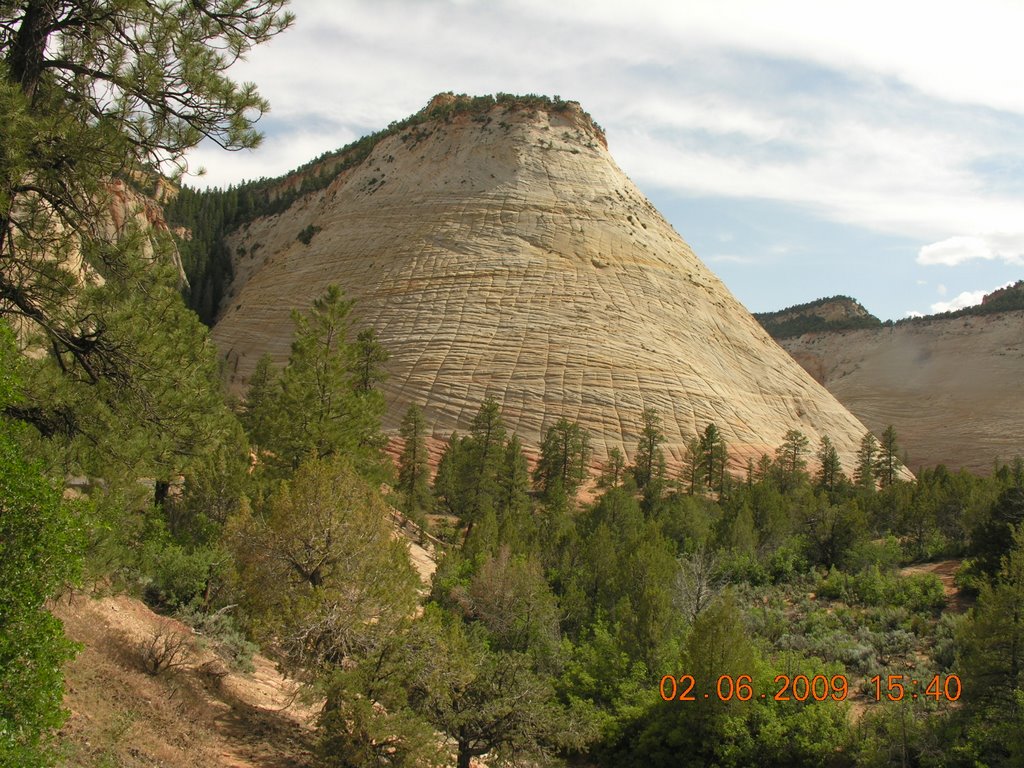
{"points": [[833, 313]]}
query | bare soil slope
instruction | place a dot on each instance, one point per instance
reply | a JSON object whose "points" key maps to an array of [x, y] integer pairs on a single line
{"points": [[200, 714], [952, 387]]}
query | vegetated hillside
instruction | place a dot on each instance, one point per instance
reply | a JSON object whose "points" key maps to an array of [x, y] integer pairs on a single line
{"points": [[499, 251], [949, 383], [833, 313]]}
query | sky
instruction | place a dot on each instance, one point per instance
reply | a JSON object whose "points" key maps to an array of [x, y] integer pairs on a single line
{"points": [[802, 148]]}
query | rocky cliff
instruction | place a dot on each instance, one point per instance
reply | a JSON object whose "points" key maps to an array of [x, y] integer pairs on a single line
{"points": [[953, 387], [502, 252]]}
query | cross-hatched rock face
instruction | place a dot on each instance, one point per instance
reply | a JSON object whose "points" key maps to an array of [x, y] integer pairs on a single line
{"points": [[507, 255]]}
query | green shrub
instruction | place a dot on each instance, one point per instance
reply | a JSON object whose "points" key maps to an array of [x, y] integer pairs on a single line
{"points": [[176, 577], [306, 235], [220, 630], [40, 552]]}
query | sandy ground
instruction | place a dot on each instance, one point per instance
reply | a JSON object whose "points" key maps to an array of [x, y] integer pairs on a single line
{"points": [[199, 714]]}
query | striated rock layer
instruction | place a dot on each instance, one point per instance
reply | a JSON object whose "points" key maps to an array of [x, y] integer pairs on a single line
{"points": [[952, 387], [506, 254]]}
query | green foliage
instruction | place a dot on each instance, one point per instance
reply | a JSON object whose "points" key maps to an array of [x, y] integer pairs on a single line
{"points": [[305, 236], [323, 403], [564, 459], [86, 99], [484, 700], [649, 467], [317, 568], [178, 576], [714, 458], [864, 474], [219, 630], [40, 552], [920, 593], [413, 466], [992, 539]]}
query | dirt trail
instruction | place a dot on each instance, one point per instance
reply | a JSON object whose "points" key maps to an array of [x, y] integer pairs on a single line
{"points": [[198, 714]]}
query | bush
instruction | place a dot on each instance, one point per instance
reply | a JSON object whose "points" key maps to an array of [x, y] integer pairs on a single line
{"points": [[306, 235], [167, 647], [40, 552], [176, 577], [224, 636]]}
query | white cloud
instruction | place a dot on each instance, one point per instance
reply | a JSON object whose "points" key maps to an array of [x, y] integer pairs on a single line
{"points": [[845, 108], [1007, 247], [941, 289], [965, 299], [913, 313]]}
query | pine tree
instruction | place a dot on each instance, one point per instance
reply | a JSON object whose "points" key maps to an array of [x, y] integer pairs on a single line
{"points": [[864, 473], [89, 95], [649, 468], [367, 358], [483, 453], [614, 469], [714, 456], [830, 471], [887, 463], [790, 457], [413, 466], [515, 528], [258, 409], [693, 477], [564, 458], [321, 413]]}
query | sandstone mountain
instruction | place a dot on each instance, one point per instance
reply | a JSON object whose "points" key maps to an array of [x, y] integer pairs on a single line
{"points": [[498, 250], [835, 313], [952, 386]]}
